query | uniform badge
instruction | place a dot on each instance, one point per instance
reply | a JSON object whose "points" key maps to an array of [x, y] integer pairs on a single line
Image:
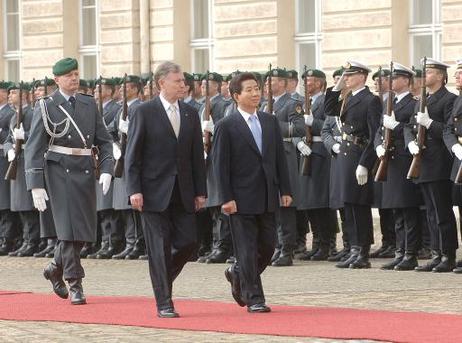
{"points": [[299, 109], [347, 65], [309, 73]]}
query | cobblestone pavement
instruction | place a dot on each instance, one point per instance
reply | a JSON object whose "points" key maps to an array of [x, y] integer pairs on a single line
{"points": [[305, 283]]}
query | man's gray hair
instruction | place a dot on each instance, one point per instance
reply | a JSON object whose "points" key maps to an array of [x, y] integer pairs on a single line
{"points": [[164, 69]]}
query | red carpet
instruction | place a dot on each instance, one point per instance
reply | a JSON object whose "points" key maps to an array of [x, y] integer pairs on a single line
{"points": [[201, 315]]}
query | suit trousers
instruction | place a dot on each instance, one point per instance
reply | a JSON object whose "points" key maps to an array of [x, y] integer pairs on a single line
{"points": [[67, 258], [254, 240], [441, 220], [171, 239], [407, 229], [358, 223]]}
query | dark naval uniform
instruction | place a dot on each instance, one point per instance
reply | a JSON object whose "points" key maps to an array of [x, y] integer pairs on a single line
{"points": [[21, 199], [434, 178]]}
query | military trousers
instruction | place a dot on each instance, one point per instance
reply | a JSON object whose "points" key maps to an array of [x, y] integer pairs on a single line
{"points": [[67, 258], [358, 223], [407, 228]]}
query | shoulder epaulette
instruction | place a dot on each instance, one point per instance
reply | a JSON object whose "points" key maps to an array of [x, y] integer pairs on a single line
{"points": [[89, 95]]}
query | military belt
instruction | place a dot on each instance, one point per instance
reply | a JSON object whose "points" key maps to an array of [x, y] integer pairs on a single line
{"points": [[69, 151], [287, 139], [317, 139], [357, 140]]}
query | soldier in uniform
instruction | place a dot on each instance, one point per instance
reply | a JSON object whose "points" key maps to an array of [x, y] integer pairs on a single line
{"points": [[434, 179], [61, 159], [453, 139], [314, 188], [8, 219], [416, 82], [189, 91], [292, 84], [131, 221], [21, 200], [359, 114], [288, 111], [398, 193]]}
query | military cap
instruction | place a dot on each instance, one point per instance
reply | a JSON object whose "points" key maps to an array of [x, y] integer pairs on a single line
{"points": [[117, 80], [41, 83], [434, 64], [233, 74], [132, 79], [418, 72], [338, 72], [459, 64], [292, 74], [400, 70], [277, 72], [213, 77], [353, 67], [381, 72], [314, 73], [17, 85], [83, 83], [106, 81], [4, 84], [65, 66], [197, 76], [188, 76]]}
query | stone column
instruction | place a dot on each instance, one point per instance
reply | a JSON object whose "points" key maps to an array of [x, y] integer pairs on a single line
{"points": [[145, 37]]}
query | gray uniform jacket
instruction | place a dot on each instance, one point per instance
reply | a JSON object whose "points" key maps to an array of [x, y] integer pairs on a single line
{"points": [[6, 113], [69, 179]]}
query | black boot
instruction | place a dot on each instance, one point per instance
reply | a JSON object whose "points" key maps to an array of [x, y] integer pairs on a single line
{"points": [[30, 250], [362, 262], [354, 253], [55, 275], [220, 256], [88, 249], [341, 254], [5, 247], [138, 250], [17, 251], [314, 249], [284, 259], [399, 256], [447, 264], [76, 292], [377, 252], [113, 249], [388, 253], [124, 253], [322, 254], [51, 243], [436, 260], [409, 262], [103, 250]]}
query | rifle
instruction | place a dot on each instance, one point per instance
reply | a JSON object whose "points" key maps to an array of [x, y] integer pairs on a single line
{"points": [[45, 88], [33, 92], [306, 160], [270, 93], [13, 166], [414, 170], [119, 165], [380, 86], [381, 174], [151, 93], [100, 91], [207, 135]]}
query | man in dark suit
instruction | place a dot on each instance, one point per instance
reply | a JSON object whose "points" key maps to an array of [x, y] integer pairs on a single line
{"points": [[251, 168], [165, 173], [434, 179]]}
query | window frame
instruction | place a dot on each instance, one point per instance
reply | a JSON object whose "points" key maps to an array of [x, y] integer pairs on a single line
{"points": [[202, 43], [12, 55], [90, 50]]}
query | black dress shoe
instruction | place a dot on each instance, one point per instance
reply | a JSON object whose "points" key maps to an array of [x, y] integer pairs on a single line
{"points": [[122, 255], [436, 260], [447, 264], [220, 256], [135, 253], [55, 275], [388, 253], [258, 308], [308, 254], [29, 251], [17, 251], [275, 256], [48, 249], [231, 260], [233, 279], [409, 262], [6, 247], [342, 253], [167, 313], [51, 254], [399, 256], [321, 255], [362, 262], [102, 251], [457, 270], [76, 292], [143, 257], [284, 260], [380, 250], [353, 255], [88, 249], [108, 253]]}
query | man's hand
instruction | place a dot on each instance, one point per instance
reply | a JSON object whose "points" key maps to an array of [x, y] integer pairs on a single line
{"points": [[229, 208], [361, 175], [424, 119], [336, 148], [39, 197], [123, 125], [303, 148], [286, 200], [136, 200], [309, 119], [105, 180], [199, 202], [11, 155], [207, 126], [413, 148], [457, 150], [340, 84], [390, 122], [18, 134], [380, 151], [116, 151]]}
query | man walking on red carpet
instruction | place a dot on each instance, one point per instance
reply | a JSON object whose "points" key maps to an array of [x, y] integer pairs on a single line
{"points": [[251, 170], [165, 170]]}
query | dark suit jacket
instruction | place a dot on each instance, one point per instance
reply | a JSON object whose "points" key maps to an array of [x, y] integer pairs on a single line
{"points": [[252, 179], [155, 157]]}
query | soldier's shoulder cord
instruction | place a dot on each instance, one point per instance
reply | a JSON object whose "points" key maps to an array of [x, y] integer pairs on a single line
{"points": [[47, 120]]}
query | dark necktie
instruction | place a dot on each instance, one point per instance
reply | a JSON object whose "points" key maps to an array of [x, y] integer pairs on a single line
{"points": [[72, 101]]}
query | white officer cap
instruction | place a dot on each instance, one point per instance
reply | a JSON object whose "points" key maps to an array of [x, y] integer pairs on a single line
{"points": [[435, 64], [352, 67], [401, 70]]}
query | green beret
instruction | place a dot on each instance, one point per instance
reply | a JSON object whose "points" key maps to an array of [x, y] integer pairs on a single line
{"points": [[213, 77], [418, 72], [41, 83], [292, 74], [83, 83], [188, 76], [132, 79], [117, 80], [197, 76], [4, 85], [17, 85], [233, 74], [338, 72], [277, 72], [65, 66], [106, 81], [383, 72], [314, 73]]}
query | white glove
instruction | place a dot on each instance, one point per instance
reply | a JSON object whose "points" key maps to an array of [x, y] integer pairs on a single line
{"points": [[336, 148], [40, 197], [11, 155], [424, 119], [390, 122], [105, 180], [303, 148], [361, 175], [18, 134], [123, 125], [413, 148], [340, 84], [116, 151], [457, 150], [380, 150], [207, 125], [309, 119]]}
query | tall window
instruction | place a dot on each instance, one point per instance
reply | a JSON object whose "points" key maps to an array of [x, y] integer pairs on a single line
{"points": [[425, 29], [11, 35], [308, 34], [89, 39], [202, 39]]}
